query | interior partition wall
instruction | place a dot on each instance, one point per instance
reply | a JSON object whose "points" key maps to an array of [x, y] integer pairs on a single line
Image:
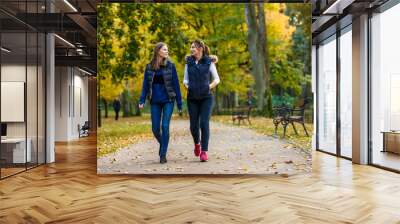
{"points": [[22, 78], [334, 93], [385, 89]]}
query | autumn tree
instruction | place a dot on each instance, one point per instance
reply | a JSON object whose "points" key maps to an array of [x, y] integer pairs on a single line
{"points": [[257, 42], [258, 46]]}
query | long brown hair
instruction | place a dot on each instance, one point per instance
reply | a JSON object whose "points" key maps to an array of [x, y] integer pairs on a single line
{"points": [[200, 44], [156, 61]]}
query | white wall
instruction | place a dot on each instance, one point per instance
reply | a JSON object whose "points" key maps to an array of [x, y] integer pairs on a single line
{"points": [[71, 94], [62, 81], [13, 72], [80, 109]]}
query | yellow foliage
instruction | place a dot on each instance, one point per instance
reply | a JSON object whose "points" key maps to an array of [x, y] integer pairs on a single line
{"points": [[110, 90], [279, 31], [231, 51]]}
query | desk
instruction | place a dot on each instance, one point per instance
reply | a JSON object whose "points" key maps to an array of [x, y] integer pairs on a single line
{"points": [[391, 141], [17, 150]]}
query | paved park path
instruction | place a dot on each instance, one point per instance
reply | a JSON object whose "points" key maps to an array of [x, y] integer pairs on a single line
{"points": [[232, 150]]}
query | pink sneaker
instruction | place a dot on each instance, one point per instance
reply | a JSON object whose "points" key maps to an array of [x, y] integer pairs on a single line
{"points": [[203, 156], [197, 149]]}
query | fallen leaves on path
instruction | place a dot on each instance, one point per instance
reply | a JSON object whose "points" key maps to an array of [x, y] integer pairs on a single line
{"points": [[243, 153]]}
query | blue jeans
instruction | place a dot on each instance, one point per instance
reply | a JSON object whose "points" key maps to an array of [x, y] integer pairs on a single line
{"points": [[161, 116], [200, 114]]}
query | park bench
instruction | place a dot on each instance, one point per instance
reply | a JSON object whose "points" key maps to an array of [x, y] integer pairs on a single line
{"points": [[281, 116], [285, 115], [297, 115], [241, 114]]}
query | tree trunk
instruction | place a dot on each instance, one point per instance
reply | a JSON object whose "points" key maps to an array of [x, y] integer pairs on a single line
{"points": [[256, 38], [138, 111], [127, 109], [236, 99], [105, 108], [306, 71], [215, 50], [263, 54]]}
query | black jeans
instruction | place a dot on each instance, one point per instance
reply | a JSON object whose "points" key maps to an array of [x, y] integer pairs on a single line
{"points": [[200, 113]]}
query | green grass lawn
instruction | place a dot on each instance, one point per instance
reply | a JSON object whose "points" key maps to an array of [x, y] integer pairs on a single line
{"points": [[114, 135], [265, 126]]}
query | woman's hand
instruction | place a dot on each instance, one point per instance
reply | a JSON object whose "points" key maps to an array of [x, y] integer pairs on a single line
{"points": [[213, 85], [141, 105]]}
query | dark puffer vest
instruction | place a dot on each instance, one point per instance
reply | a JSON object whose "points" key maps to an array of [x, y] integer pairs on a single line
{"points": [[199, 77], [167, 76]]}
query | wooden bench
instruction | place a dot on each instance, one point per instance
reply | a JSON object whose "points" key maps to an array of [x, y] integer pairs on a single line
{"points": [[241, 114]]}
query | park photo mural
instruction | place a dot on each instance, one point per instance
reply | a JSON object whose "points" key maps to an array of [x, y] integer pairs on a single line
{"points": [[202, 88]]}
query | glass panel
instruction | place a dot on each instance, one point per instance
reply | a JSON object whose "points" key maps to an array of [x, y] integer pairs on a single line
{"points": [[13, 86], [327, 96], [346, 94], [23, 86], [41, 99], [31, 97], [32, 85], [385, 114]]}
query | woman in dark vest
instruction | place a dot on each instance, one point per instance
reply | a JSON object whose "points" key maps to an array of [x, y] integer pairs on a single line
{"points": [[200, 77], [161, 87]]}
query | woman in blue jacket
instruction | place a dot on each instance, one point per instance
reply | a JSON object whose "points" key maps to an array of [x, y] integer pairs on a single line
{"points": [[161, 87], [200, 77]]}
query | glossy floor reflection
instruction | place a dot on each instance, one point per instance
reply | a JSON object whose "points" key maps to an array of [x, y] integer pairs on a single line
{"points": [[70, 191]]}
